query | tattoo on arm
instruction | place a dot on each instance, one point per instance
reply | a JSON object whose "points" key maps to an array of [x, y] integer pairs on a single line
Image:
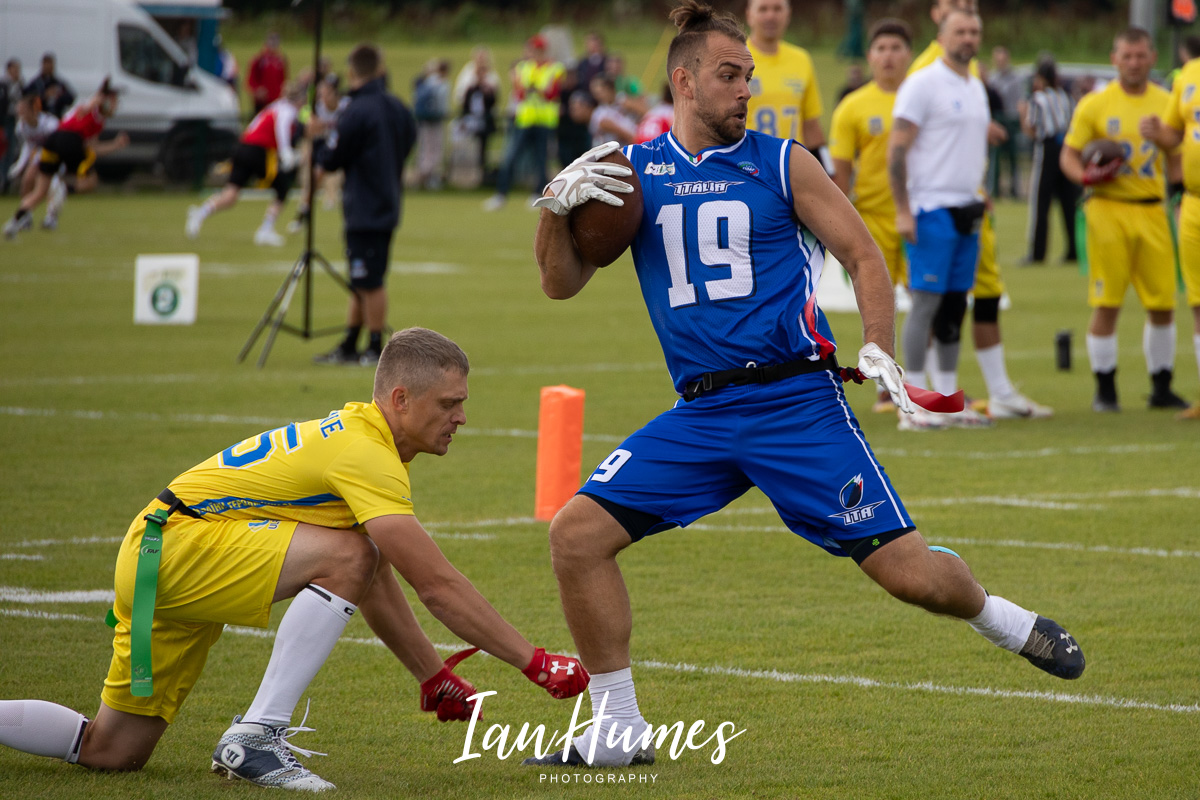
{"points": [[898, 174]]}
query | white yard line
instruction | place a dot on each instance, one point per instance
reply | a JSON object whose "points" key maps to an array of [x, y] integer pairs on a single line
{"points": [[1106, 701], [21, 557]]}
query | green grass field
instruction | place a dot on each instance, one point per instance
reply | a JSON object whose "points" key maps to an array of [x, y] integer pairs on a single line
{"points": [[842, 692]]}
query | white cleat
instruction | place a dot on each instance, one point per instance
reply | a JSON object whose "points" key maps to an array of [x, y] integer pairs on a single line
{"points": [[968, 418], [921, 420], [195, 219], [269, 237], [494, 203], [15, 226], [262, 755], [1017, 406]]}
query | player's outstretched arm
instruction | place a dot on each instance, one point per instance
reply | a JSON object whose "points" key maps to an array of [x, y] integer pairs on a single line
{"points": [[827, 212], [389, 615], [563, 272]]}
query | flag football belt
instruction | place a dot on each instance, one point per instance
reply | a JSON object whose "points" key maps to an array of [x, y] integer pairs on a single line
{"points": [[711, 381], [145, 591]]}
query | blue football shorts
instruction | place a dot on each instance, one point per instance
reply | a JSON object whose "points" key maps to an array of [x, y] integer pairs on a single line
{"points": [[943, 260], [797, 440]]}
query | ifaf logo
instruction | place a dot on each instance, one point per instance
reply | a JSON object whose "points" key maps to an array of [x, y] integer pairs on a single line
{"points": [[748, 167], [851, 497]]}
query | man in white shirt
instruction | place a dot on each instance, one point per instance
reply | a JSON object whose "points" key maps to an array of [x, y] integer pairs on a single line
{"points": [[937, 155]]}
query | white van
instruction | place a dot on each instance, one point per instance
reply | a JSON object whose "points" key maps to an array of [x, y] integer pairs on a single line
{"points": [[167, 107]]}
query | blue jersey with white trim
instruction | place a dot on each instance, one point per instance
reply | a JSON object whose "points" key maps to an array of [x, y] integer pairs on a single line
{"points": [[728, 273]]}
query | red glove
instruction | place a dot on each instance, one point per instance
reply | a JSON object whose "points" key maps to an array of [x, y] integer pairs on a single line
{"points": [[447, 693], [1095, 173], [561, 676]]}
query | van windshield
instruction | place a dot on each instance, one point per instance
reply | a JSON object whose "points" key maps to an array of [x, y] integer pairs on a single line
{"points": [[142, 56]]}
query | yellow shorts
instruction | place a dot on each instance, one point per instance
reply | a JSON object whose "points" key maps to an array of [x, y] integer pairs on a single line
{"points": [[1129, 243], [882, 228], [1189, 247], [988, 284], [212, 573]]}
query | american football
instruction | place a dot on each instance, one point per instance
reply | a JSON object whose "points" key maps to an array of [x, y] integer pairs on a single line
{"points": [[603, 232]]}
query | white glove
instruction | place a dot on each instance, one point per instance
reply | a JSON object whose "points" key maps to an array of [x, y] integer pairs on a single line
{"points": [[584, 179], [877, 365], [288, 159]]}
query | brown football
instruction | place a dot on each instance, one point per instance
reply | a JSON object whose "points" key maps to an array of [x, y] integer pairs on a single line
{"points": [[1102, 151], [603, 232]]}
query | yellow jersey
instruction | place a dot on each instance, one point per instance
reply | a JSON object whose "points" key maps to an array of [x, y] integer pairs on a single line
{"points": [[335, 472], [1183, 114], [933, 53], [1112, 113], [783, 92], [859, 133]]}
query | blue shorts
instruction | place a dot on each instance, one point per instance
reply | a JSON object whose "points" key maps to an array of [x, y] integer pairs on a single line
{"points": [[943, 260], [796, 440]]}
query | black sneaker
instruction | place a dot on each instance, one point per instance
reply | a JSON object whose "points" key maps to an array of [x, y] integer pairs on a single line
{"points": [[1105, 401], [1052, 649], [643, 757], [1161, 396], [369, 357], [1105, 406], [336, 356]]}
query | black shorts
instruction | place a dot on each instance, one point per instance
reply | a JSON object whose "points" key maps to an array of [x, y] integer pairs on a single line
{"points": [[66, 148], [259, 166], [367, 255]]}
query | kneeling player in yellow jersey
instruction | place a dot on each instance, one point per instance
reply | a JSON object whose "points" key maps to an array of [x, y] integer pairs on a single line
{"points": [[1128, 234], [1004, 401], [302, 511], [1180, 124], [858, 141]]}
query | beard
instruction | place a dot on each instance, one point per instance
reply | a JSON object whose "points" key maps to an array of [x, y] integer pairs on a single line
{"points": [[965, 53], [724, 127]]}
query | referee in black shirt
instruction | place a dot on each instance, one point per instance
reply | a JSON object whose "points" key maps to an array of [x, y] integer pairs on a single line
{"points": [[373, 138], [1045, 121]]}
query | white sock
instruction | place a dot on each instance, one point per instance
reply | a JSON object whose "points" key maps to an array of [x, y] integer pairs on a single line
{"points": [[207, 208], [614, 691], [917, 379], [41, 728], [945, 382], [268, 223], [1158, 345], [995, 373], [1004, 624], [1102, 352], [306, 637]]}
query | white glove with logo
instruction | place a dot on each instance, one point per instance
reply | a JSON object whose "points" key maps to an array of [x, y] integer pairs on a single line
{"points": [[585, 179], [877, 365]]}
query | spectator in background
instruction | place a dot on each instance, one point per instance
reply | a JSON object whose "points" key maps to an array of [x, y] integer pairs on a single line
{"points": [[476, 100], [855, 80], [659, 119], [11, 87], [1045, 120], [56, 95], [1011, 89], [268, 73], [1189, 48], [431, 107], [227, 65], [573, 135], [608, 123], [330, 105], [537, 83], [33, 127], [629, 90]]}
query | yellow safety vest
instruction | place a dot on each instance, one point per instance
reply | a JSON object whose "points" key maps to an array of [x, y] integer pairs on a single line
{"points": [[536, 79]]}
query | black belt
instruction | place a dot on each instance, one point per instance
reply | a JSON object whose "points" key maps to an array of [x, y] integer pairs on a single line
{"points": [[711, 381], [175, 504]]}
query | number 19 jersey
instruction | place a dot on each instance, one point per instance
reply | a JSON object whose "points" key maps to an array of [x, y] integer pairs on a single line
{"points": [[728, 273]]}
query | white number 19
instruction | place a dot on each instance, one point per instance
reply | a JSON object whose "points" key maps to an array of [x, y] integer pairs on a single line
{"points": [[722, 240]]}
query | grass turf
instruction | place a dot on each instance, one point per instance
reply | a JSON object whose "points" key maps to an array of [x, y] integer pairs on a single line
{"points": [[1082, 517]]}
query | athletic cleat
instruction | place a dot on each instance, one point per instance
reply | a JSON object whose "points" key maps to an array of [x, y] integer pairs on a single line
{"points": [[1191, 413], [369, 357], [1161, 395], [49, 223], [336, 356], [194, 220], [494, 203], [921, 420], [15, 226], [1018, 406], [642, 758], [1052, 649], [262, 755], [1102, 405], [968, 418], [269, 237]]}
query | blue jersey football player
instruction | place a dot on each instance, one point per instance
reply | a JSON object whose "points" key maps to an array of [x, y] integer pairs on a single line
{"points": [[729, 255]]}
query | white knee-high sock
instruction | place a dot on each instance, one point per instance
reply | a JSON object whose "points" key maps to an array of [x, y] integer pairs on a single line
{"points": [[1158, 345], [41, 728], [995, 372], [1102, 352], [1003, 623], [306, 637]]}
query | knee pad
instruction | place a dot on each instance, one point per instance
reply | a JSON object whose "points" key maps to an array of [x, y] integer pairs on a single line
{"points": [[947, 323], [987, 309]]}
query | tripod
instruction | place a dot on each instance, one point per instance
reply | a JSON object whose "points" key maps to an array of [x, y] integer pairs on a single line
{"points": [[301, 272]]}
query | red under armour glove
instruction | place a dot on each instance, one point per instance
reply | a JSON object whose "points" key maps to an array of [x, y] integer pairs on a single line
{"points": [[1096, 173], [447, 693], [561, 676]]}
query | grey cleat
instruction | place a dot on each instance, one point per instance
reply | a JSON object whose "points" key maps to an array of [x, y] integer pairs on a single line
{"points": [[262, 755]]}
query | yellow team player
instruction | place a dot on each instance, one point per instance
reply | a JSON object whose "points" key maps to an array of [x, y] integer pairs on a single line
{"points": [[1004, 401], [1180, 124], [785, 98], [302, 511], [858, 141], [1128, 235]]}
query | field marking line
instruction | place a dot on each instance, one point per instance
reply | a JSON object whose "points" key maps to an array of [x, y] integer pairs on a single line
{"points": [[22, 557], [72, 541], [219, 269], [1105, 701], [1041, 452]]}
